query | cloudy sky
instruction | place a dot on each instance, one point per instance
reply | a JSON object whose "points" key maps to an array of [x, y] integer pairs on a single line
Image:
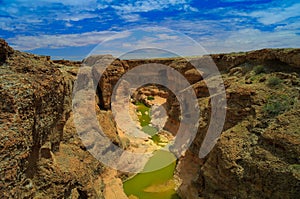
{"points": [[70, 29]]}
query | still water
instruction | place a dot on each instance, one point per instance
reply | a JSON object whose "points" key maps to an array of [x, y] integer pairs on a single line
{"points": [[156, 184]]}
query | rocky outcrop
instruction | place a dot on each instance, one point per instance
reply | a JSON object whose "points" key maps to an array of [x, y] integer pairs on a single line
{"points": [[248, 155], [248, 161], [41, 154], [67, 63], [277, 57], [246, 94], [5, 51], [32, 98], [108, 70], [257, 154]]}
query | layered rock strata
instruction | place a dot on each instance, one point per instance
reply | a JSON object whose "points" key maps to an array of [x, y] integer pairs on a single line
{"points": [[257, 154]]}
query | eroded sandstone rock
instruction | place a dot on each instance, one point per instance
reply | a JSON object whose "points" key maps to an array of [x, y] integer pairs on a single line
{"points": [[5, 51], [42, 155]]}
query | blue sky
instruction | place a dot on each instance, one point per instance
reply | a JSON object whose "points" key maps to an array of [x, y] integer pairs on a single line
{"points": [[70, 29]]}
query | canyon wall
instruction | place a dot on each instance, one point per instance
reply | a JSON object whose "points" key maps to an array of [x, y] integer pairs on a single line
{"points": [[41, 155], [248, 161], [256, 156], [280, 59]]}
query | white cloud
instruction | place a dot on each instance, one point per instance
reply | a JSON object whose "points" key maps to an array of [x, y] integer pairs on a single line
{"points": [[72, 2], [31, 16], [290, 26], [130, 17], [143, 42], [74, 10], [196, 27], [33, 20], [249, 39], [149, 5], [166, 36], [9, 24], [68, 24], [45, 2], [126, 10], [4, 26], [228, 35], [64, 40], [189, 8], [276, 15], [75, 16], [162, 40], [220, 40]]}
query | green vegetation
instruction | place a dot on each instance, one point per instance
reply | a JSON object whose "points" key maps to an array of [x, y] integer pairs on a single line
{"points": [[259, 69], [156, 139], [150, 98], [273, 81], [295, 166], [257, 77], [277, 104]]}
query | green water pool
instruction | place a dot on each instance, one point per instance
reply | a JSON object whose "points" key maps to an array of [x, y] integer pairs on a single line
{"points": [[144, 114], [156, 181], [156, 184]]}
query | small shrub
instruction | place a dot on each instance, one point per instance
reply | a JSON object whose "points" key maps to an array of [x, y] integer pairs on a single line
{"points": [[252, 78], [259, 69], [295, 166], [150, 98], [274, 81], [277, 104], [156, 139]]}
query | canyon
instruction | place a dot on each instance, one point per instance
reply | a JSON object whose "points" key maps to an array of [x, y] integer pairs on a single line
{"points": [[43, 156]]}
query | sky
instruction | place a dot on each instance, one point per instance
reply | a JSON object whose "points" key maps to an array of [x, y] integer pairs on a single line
{"points": [[72, 29]]}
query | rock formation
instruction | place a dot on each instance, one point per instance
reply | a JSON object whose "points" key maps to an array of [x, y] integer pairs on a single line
{"points": [[5, 51], [41, 154], [258, 152], [257, 155]]}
